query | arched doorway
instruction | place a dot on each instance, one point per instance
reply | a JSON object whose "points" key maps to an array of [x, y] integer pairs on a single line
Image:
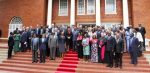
{"points": [[16, 22]]}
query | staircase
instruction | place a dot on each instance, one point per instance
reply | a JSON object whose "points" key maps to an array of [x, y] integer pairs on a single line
{"points": [[3, 51], [142, 67], [22, 63], [69, 63]]}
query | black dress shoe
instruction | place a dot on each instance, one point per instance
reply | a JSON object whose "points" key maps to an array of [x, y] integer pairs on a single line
{"points": [[111, 66], [108, 66]]}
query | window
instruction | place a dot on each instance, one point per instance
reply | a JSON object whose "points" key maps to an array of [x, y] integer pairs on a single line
{"points": [[63, 8], [81, 7], [110, 7], [16, 22], [90, 6]]}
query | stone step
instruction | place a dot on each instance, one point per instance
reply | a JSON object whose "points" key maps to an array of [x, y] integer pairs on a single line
{"points": [[3, 49], [30, 59], [31, 66], [5, 71], [79, 70], [25, 70]]}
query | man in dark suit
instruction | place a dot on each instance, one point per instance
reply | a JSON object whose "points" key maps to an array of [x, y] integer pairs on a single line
{"points": [[143, 32], [118, 50], [134, 44], [37, 31], [24, 37], [109, 49], [10, 45]]}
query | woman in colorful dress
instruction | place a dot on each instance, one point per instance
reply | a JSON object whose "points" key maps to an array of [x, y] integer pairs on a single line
{"points": [[86, 48], [102, 45], [17, 39], [79, 46], [94, 49]]}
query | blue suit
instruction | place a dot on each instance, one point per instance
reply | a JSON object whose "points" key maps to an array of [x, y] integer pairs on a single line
{"points": [[134, 43], [42, 49]]}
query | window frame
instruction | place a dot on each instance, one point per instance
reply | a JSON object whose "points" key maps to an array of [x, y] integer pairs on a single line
{"points": [[114, 12], [94, 8], [59, 14], [78, 8]]}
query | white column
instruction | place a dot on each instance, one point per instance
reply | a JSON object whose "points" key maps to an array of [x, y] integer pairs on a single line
{"points": [[49, 13], [125, 13], [72, 13], [98, 13]]}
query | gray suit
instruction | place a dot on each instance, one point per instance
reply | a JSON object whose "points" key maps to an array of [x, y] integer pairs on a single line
{"points": [[52, 44]]}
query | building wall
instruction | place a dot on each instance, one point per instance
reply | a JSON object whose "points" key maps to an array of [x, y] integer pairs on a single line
{"points": [[141, 14], [59, 19], [112, 17], [87, 18], [32, 12]]}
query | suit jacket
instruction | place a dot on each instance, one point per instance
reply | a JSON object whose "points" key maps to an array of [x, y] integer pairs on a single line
{"points": [[24, 37], [42, 43], [134, 43], [10, 41], [142, 31], [53, 42], [119, 46], [37, 31], [35, 43], [110, 43]]}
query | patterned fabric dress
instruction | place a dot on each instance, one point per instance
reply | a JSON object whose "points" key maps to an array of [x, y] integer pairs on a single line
{"points": [[94, 51], [16, 43], [86, 47]]}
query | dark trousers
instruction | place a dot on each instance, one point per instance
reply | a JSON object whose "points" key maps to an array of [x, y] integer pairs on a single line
{"points": [[143, 41], [140, 49], [118, 59], [34, 56], [10, 52], [133, 56], [74, 46], [110, 58], [42, 55], [80, 51], [23, 46]]}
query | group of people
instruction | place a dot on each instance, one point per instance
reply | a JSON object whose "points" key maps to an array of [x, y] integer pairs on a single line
{"points": [[93, 44]]}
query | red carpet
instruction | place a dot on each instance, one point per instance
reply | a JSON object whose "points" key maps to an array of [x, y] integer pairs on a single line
{"points": [[69, 63]]}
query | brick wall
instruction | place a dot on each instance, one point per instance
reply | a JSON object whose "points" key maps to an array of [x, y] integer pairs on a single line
{"points": [[87, 18], [32, 12], [141, 14]]}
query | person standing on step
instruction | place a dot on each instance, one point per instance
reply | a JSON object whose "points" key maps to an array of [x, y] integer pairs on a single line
{"points": [[53, 44], [134, 44], [102, 47], [35, 46], [138, 35], [75, 34], [42, 48], [10, 45], [62, 44], [110, 49], [143, 32], [94, 49], [17, 39], [24, 38], [79, 46], [69, 39], [119, 50], [86, 47]]}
